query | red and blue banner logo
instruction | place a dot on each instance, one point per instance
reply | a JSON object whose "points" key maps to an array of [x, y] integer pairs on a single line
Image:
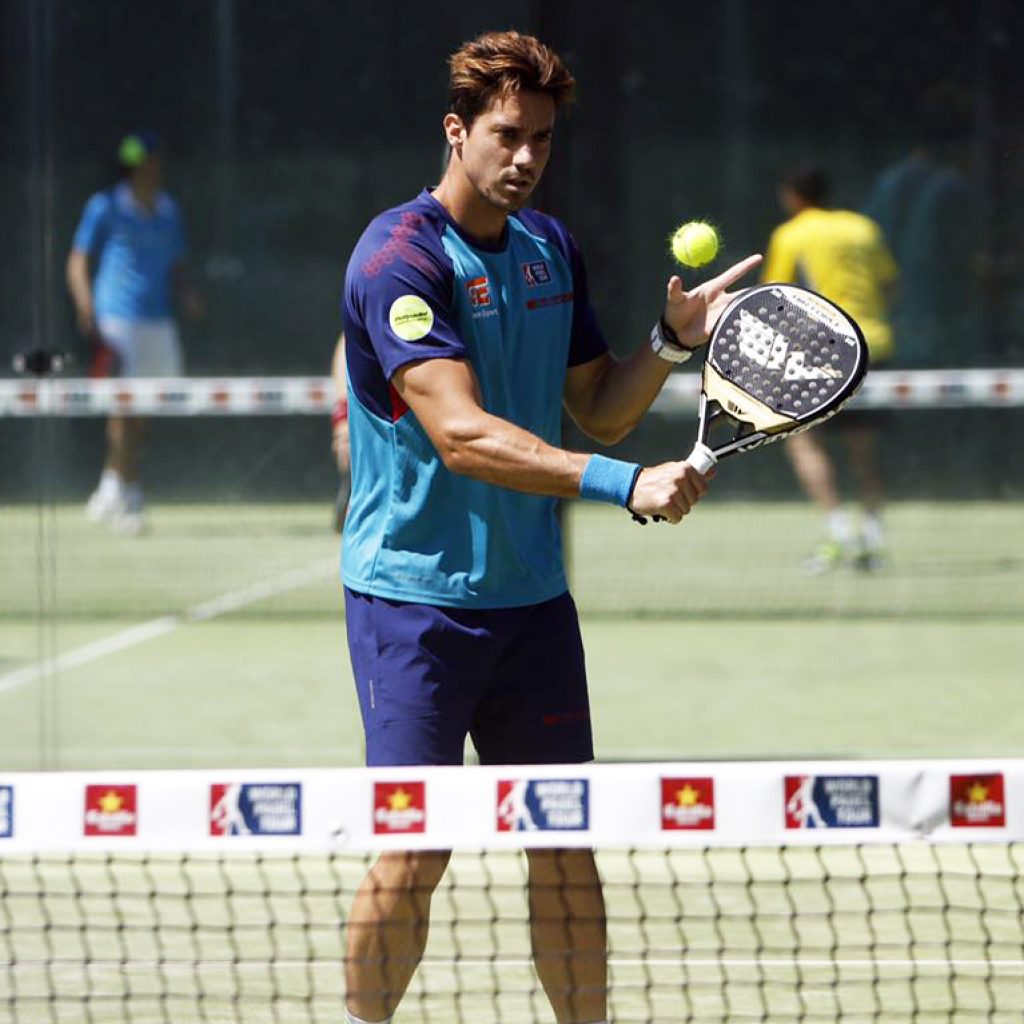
{"points": [[6, 812], [543, 805], [831, 801], [256, 809]]}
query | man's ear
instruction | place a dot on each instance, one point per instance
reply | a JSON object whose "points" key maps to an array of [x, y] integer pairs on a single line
{"points": [[454, 130]]}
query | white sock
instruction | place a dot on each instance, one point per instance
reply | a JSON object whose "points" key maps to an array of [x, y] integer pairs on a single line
{"points": [[351, 1018], [838, 526], [873, 532], [110, 482]]}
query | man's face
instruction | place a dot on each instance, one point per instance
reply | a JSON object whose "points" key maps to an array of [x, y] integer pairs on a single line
{"points": [[507, 148]]}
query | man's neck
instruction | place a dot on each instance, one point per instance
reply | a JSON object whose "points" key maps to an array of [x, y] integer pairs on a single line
{"points": [[477, 217], [144, 195]]}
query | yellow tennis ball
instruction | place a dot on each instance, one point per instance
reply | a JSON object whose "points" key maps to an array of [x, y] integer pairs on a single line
{"points": [[695, 243]]}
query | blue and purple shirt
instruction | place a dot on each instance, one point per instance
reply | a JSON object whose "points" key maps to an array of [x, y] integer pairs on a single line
{"points": [[418, 288]]}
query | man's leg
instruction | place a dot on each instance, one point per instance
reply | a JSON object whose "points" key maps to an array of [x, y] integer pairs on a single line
{"points": [[816, 475], [387, 931], [568, 928], [863, 448]]}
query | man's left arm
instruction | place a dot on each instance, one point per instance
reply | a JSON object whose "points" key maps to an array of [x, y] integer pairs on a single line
{"points": [[607, 397]]}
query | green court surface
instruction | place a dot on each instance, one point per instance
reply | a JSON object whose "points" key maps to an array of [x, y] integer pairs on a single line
{"points": [[217, 638]]}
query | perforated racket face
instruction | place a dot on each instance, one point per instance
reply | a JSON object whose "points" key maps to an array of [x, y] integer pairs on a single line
{"points": [[794, 352]]}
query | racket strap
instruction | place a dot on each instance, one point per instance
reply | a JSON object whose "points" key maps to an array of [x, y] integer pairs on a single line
{"points": [[666, 345]]}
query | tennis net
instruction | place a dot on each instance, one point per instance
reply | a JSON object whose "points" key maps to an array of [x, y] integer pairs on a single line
{"points": [[809, 891]]}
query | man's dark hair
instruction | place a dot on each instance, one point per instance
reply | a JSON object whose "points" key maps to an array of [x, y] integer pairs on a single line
{"points": [[809, 183], [500, 64]]}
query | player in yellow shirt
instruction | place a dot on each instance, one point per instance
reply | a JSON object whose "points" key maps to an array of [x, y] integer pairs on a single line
{"points": [[843, 256]]}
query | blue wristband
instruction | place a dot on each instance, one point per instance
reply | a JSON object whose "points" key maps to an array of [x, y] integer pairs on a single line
{"points": [[608, 480]]}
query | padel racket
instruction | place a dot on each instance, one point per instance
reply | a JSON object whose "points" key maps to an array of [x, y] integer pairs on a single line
{"points": [[780, 359]]}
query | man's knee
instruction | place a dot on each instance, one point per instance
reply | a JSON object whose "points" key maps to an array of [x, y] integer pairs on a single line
{"points": [[416, 871]]}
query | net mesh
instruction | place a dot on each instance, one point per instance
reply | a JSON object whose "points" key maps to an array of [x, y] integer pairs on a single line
{"points": [[859, 933]]}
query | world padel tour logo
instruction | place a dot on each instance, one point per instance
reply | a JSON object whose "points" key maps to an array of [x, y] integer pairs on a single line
{"points": [[536, 273], [6, 812], [544, 805], [399, 807], [831, 801], [256, 809], [977, 801], [687, 803], [111, 811]]}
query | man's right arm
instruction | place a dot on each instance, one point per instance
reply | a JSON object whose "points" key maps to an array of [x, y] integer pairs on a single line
{"points": [[444, 396], [80, 287]]}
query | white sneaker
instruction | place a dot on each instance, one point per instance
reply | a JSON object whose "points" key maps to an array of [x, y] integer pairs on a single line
{"points": [[131, 524], [130, 520], [104, 505]]}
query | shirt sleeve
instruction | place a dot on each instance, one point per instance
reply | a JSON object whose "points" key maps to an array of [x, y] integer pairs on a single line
{"points": [[398, 293], [587, 341], [94, 226]]}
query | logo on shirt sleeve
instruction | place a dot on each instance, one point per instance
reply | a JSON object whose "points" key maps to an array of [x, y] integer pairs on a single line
{"points": [[411, 317]]}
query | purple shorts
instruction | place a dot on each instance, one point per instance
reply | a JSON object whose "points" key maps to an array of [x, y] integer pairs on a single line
{"points": [[512, 678]]}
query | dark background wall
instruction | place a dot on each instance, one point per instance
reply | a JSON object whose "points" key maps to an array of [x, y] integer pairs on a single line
{"points": [[288, 125]]}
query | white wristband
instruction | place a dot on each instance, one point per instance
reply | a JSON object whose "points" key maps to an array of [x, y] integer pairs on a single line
{"points": [[670, 351]]}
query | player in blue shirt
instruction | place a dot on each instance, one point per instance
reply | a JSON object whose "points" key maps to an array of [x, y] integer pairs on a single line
{"points": [[468, 326], [125, 266]]}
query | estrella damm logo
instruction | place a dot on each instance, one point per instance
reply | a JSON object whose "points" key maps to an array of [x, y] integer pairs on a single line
{"points": [[977, 801], [687, 803], [479, 290], [111, 810], [399, 807]]}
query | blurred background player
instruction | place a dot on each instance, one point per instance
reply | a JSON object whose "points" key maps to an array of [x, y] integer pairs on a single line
{"points": [[931, 217], [339, 434], [125, 268], [842, 255]]}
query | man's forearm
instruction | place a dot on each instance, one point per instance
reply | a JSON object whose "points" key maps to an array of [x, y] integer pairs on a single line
{"points": [[621, 395], [496, 451]]}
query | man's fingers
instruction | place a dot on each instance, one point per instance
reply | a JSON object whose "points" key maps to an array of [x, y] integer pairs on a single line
{"points": [[734, 273]]}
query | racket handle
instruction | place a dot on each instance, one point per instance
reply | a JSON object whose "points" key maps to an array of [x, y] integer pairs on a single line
{"points": [[702, 458]]}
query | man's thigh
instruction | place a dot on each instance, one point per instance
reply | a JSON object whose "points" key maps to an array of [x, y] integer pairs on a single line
{"points": [[536, 710], [417, 670]]}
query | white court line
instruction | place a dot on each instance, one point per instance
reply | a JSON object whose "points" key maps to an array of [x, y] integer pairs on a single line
{"points": [[203, 612]]}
